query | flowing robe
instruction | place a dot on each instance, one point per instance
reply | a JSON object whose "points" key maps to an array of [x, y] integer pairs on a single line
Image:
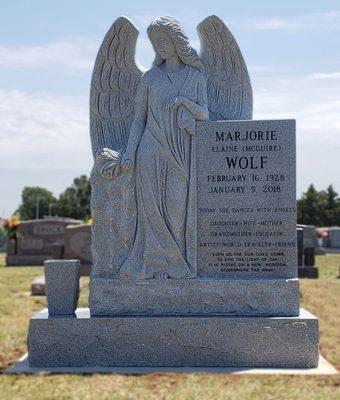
{"points": [[165, 238]]}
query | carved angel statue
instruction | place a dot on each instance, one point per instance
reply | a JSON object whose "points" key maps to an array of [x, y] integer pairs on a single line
{"points": [[143, 140]]}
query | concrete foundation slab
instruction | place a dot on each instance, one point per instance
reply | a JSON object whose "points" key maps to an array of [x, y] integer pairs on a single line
{"points": [[23, 367]]}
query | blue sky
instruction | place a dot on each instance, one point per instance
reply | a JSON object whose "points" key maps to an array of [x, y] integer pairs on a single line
{"points": [[47, 51]]}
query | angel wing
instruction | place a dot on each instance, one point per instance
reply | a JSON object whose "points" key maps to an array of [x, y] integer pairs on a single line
{"points": [[113, 87], [229, 88]]}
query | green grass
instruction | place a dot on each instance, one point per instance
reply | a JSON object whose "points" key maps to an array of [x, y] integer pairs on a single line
{"points": [[321, 297]]}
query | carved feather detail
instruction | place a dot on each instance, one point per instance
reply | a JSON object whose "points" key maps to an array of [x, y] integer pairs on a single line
{"points": [[228, 84], [114, 85]]}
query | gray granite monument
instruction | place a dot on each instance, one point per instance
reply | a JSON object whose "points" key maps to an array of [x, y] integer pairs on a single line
{"points": [[194, 219]]}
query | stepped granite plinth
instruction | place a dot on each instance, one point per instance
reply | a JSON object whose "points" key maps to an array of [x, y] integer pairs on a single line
{"points": [[173, 341]]}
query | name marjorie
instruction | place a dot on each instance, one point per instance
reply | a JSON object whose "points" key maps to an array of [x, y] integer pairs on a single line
{"points": [[231, 138], [246, 162]]}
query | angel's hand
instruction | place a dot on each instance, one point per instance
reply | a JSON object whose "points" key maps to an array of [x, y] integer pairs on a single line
{"points": [[127, 162], [175, 103]]}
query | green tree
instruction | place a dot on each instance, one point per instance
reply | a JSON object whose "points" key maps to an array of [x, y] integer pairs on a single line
{"points": [[36, 202], [310, 208], [75, 201], [332, 207]]}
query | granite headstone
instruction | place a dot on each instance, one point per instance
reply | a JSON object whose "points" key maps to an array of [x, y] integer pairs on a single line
{"points": [[2, 241], [334, 237], [311, 238], [77, 245], [35, 241], [299, 232], [306, 252]]}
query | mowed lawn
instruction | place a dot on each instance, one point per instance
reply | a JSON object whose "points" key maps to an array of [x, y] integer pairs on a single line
{"points": [[321, 297]]}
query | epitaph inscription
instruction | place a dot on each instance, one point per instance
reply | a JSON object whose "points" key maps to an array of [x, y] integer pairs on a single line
{"points": [[246, 198]]}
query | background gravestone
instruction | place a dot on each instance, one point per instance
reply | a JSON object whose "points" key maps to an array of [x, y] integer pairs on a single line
{"points": [[35, 241], [299, 232], [2, 241], [334, 237], [310, 238], [308, 246], [77, 245]]}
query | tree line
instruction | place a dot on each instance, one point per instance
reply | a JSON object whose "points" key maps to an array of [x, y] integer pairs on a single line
{"points": [[320, 208], [73, 202]]}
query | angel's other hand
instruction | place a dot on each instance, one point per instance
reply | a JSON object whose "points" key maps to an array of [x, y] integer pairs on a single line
{"points": [[175, 103]]}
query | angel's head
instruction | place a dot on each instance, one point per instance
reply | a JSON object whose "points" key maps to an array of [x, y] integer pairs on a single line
{"points": [[168, 38]]}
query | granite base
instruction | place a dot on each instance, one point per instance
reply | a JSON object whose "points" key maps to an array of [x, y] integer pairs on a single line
{"points": [[172, 341], [308, 272], [201, 296], [26, 260]]}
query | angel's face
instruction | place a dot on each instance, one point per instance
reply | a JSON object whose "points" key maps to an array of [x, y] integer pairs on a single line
{"points": [[163, 44]]}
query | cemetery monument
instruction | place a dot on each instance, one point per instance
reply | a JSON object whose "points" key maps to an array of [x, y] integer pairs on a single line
{"points": [[194, 218]]}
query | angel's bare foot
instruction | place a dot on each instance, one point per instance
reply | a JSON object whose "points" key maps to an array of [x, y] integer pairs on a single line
{"points": [[161, 275]]}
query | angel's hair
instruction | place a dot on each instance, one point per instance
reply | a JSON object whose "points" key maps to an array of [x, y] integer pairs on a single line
{"points": [[185, 52]]}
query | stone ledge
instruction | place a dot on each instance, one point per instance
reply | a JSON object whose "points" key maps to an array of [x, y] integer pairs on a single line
{"points": [[84, 341], [201, 296]]}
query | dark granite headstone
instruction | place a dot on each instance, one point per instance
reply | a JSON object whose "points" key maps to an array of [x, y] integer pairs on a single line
{"points": [[35, 241], [2, 241], [299, 232], [306, 252]]}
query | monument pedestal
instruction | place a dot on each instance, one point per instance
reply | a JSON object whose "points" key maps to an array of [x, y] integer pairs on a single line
{"points": [[199, 296], [172, 341]]}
